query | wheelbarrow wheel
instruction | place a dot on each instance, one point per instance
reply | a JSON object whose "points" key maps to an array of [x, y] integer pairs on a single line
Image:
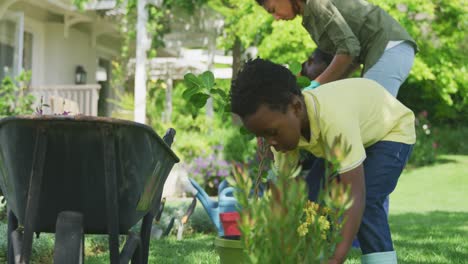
{"points": [[69, 246]]}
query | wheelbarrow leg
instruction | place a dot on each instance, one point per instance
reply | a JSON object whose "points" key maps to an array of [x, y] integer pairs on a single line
{"points": [[17, 242], [112, 206], [12, 225], [69, 238], [147, 222], [130, 249], [32, 204], [145, 234]]}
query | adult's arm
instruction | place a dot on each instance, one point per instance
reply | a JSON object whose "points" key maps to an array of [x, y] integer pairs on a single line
{"points": [[338, 69], [330, 30]]}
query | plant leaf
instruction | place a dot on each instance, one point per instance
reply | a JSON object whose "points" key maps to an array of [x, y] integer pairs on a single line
{"points": [[220, 93], [244, 132], [303, 81], [295, 67], [187, 94], [192, 81], [207, 79], [227, 107], [199, 99]]}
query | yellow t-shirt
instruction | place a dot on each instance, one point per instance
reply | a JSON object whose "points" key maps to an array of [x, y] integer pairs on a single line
{"points": [[361, 111]]}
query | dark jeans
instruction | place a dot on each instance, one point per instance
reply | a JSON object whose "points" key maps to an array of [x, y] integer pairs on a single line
{"points": [[382, 167]]}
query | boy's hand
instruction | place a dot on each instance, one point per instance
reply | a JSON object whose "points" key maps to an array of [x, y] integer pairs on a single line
{"points": [[355, 178]]}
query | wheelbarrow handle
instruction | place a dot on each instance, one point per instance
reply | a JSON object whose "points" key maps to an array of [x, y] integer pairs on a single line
{"points": [[169, 136]]}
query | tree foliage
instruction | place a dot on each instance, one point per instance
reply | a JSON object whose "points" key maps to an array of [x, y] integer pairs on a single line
{"points": [[438, 82], [243, 19], [288, 42], [14, 99]]}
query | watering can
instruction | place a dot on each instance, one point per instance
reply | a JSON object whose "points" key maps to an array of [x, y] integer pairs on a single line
{"points": [[226, 202]]}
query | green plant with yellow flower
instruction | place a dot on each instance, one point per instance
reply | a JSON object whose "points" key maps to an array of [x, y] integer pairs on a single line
{"points": [[282, 226]]}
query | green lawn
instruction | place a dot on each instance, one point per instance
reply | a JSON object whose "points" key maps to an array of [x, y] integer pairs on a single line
{"points": [[429, 221]]}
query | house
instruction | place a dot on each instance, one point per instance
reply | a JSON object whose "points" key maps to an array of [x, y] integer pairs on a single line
{"points": [[55, 41]]}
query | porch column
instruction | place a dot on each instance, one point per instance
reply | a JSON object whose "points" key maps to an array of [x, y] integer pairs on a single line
{"points": [[142, 45]]}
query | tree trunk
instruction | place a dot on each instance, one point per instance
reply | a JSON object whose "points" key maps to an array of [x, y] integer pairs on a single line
{"points": [[236, 57]]}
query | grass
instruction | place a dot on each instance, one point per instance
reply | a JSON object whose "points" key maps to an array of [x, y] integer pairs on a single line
{"points": [[429, 213], [429, 222]]}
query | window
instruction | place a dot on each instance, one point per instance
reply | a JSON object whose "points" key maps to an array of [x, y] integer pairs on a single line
{"points": [[7, 47], [15, 46]]}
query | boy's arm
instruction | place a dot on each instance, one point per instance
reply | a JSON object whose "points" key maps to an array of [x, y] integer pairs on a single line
{"points": [[353, 216]]}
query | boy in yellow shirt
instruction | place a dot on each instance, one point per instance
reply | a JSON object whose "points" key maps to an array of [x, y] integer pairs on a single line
{"points": [[377, 127]]}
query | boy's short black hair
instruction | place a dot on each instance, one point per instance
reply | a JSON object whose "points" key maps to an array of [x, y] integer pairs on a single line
{"points": [[262, 82], [320, 56]]}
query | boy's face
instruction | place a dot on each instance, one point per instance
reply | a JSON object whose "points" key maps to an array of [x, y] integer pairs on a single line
{"points": [[281, 130], [313, 69]]}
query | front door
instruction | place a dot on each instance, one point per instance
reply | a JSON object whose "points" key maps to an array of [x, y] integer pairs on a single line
{"points": [[104, 109]]}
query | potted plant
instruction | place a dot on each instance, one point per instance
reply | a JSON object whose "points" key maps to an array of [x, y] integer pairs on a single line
{"points": [[282, 226]]}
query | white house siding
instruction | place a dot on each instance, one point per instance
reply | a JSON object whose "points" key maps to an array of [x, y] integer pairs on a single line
{"points": [[37, 29], [62, 55]]}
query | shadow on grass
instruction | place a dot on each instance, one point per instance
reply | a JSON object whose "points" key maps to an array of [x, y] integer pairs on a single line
{"points": [[444, 160], [440, 160], [434, 237]]}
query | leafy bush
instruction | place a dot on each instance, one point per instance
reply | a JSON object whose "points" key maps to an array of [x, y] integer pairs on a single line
{"points": [[238, 147], [210, 169], [425, 149], [452, 139], [199, 222], [3, 211], [438, 82], [13, 97], [198, 132], [288, 42], [3, 242], [282, 226]]}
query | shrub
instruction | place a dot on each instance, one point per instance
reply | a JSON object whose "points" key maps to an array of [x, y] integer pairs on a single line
{"points": [[210, 169], [282, 226], [425, 149], [451, 139], [13, 97], [238, 147], [199, 222]]}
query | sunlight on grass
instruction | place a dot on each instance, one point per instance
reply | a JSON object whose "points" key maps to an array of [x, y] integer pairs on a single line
{"points": [[195, 249], [442, 186]]}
